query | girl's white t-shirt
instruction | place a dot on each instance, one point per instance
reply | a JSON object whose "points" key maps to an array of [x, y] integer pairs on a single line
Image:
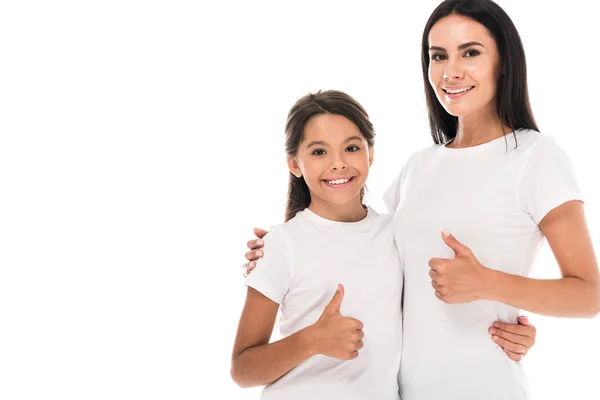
{"points": [[491, 198], [304, 260]]}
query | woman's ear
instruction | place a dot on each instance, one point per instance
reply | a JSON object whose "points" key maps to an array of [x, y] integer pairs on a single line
{"points": [[293, 167], [371, 154]]}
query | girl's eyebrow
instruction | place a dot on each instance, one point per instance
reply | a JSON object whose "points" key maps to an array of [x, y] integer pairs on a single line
{"points": [[461, 47], [322, 143], [351, 138], [317, 143]]}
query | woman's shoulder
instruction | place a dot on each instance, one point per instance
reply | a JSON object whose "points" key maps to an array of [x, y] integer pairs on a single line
{"points": [[534, 142]]}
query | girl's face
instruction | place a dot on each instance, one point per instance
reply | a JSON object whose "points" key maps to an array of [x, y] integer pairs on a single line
{"points": [[464, 65], [334, 159]]}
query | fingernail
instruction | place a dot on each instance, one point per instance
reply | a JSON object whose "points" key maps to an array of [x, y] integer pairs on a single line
{"points": [[252, 264], [495, 338], [523, 317], [492, 331], [497, 324], [259, 242], [259, 253]]}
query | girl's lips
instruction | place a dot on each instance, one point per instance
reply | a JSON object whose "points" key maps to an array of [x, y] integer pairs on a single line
{"points": [[340, 185]]}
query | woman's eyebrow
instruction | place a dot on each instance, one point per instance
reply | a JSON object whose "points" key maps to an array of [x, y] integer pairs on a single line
{"points": [[461, 47]]}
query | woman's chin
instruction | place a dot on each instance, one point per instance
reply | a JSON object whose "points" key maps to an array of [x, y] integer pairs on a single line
{"points": [[458, 110]]}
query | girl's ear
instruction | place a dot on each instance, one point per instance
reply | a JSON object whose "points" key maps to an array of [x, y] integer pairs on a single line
{"points": [[371, 154], [293, 167]]}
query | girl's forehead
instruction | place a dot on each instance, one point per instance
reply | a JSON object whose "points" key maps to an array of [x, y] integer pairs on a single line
{"points": [[331, 125]]}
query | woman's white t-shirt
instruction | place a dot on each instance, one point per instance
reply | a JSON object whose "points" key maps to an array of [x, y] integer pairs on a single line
{"points": [[304, 260], [491, 198]]}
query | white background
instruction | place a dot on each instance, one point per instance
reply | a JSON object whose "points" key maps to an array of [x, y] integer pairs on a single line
{"points": [[142, 141]]}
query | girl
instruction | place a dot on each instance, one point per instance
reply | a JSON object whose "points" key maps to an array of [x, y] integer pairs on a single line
{"points": [[331, 268]]}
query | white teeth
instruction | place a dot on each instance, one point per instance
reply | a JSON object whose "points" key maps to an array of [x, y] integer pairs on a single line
{"points": [[338, 181], [456, 91]]}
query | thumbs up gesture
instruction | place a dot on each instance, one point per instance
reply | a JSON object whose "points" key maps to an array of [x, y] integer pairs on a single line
{"points": [[335, 335], [461, 279]]}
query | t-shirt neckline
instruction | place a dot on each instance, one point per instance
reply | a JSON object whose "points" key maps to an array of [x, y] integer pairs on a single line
{"points": [[478, 148], [312, 216]]}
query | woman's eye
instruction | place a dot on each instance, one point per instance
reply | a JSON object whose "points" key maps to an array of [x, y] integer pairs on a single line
{"points": [[318, 152], [472, 53], [352, 148], [438, 57]]}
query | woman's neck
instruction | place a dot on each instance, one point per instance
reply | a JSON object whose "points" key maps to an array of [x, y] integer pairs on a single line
{"points": [[351, 211], [478, 128]]}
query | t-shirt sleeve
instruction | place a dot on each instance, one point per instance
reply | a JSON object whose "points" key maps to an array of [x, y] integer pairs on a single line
{"points": [[548, 179], [391, 197], [272, 273]]}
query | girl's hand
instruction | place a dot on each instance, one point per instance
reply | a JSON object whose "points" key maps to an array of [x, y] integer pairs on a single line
{"points": [[335, 335], [461, 279], [515, 339], [255, 246]]}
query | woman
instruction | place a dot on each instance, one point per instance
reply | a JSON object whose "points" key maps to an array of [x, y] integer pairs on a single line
{"points": [[494, 182]]}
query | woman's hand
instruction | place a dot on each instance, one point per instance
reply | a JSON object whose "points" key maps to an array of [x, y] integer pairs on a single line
{"points": [[461, 279], [255, 246], [515, 339]]}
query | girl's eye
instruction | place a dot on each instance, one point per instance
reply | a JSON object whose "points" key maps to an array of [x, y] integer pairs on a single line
{"points": [[318, 152], [472, 53], [438, 57], [352, 148]]}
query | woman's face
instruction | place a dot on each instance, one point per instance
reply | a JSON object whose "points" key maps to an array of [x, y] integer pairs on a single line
{"points": [[464, 65]]}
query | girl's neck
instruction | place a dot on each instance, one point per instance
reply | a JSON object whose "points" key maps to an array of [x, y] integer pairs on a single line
{"points": [[479, 128], [352, 211]]}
